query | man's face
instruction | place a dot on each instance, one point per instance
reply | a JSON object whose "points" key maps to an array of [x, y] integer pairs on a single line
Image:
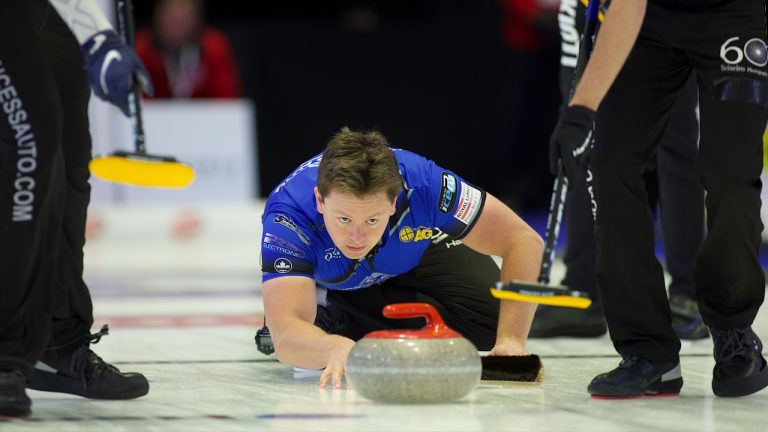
{"points": [[355, 224]]}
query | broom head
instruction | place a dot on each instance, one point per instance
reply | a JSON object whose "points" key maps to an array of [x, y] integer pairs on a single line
{"points": [[524, 369], [550, 295], [141, 169]]}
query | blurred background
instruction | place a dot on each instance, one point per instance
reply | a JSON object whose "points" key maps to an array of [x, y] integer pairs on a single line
{"points": [[471, 84], [246, 94]]}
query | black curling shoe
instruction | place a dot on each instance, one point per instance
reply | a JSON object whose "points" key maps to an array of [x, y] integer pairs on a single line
{"points": [[637, 377], [85, 374], [740, 368]]}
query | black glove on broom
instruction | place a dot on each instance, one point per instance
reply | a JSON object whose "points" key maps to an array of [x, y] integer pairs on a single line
{"points": [[572, 142]]}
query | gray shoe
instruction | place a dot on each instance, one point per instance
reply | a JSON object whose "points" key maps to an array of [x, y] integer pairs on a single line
{"points": [[553, 321], [14, 401], [686, 319]]}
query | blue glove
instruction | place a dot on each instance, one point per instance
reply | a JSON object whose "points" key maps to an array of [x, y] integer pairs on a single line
{"points": [[111, 66], [572, 142]]}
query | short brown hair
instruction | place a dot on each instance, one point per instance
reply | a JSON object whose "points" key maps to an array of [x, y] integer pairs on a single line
{"points": [[360, 163]]}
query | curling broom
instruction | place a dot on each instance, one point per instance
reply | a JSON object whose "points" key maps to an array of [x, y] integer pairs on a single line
{"points": [[528, 368], [139, 168], [542, 292]]}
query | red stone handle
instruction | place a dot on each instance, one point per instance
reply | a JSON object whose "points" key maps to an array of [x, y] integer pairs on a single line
{"points": [[435, 327]]}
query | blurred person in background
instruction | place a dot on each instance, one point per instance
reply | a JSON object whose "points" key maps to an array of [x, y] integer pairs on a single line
{"points": [[680, 202], [530, 99], [185, 57]]}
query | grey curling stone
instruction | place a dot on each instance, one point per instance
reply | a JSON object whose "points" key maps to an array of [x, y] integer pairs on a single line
{"points": [[431, 365]]}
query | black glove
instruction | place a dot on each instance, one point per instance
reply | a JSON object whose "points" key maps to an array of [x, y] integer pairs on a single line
{"points": [[572, 141], [112, 66]]}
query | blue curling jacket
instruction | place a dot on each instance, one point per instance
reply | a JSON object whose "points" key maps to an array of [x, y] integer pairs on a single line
{"points": [[436, 206]]}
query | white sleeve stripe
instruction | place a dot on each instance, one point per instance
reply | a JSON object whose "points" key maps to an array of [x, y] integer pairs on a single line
{"points": [[84, 17]]}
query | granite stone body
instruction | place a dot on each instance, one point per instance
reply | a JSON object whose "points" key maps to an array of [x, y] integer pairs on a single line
{"points": [[408, 370]]}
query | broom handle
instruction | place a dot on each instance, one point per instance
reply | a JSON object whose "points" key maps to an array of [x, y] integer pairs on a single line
{"points": [[126, 31], [554, 217], [560, 187]]}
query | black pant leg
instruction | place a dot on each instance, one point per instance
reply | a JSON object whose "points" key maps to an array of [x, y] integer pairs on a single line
{"points": [[730, 282], [31, 173], [72, 308], [630, 122], [681, 201], [681, 196], [456, 280]]}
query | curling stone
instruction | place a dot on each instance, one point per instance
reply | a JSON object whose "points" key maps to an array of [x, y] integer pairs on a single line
{"points": [[431, 365]]}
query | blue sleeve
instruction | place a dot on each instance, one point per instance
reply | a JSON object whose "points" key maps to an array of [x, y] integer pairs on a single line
{"points": [[286, 249], [455, 203]]}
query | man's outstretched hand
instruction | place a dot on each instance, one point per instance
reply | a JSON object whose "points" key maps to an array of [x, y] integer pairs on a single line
{"points": [[337, 361]]}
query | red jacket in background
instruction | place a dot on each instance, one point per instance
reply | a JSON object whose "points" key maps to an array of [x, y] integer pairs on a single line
{"points": [[216, 74], [520, 19]]}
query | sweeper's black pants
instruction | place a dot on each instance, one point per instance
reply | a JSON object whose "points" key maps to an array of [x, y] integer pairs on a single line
{"points": [[724, 42], [680, 202], [453, 278], [45, 147]]}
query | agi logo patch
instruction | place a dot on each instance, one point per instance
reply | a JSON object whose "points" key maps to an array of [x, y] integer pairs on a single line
{"points": [[408, 234], [447, 193]]}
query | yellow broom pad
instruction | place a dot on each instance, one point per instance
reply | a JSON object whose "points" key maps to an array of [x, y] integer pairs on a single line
{"points": [[143, 170], [541, 294]]}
